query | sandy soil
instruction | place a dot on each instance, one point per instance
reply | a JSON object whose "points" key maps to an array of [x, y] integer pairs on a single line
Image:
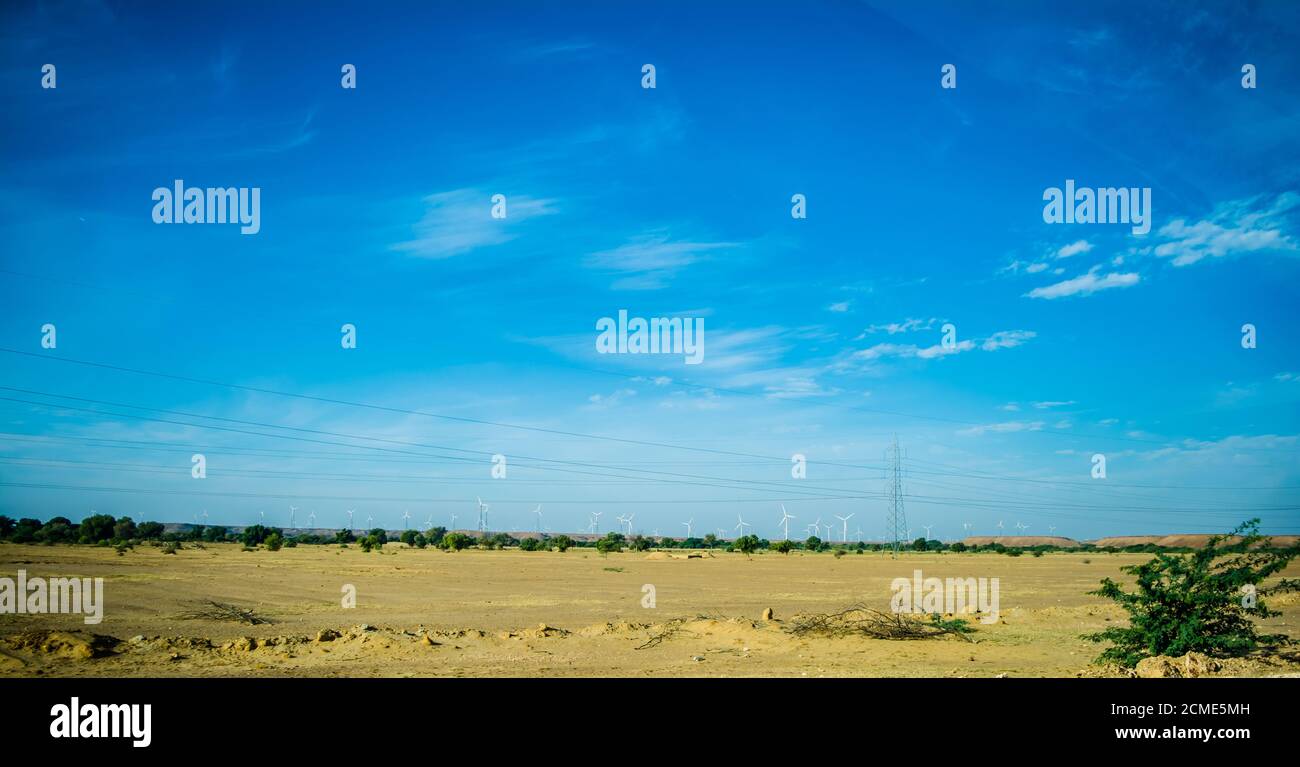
{"points": [[515, 613]]}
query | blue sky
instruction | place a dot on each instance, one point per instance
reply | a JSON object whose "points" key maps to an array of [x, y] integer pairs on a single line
{"points": [[924, 207]]}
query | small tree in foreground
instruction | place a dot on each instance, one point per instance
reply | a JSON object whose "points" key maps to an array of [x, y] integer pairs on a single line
{"points": [[1202, 601]]}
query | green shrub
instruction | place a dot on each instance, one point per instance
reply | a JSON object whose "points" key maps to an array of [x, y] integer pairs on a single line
{"points": [[1197, 601]]}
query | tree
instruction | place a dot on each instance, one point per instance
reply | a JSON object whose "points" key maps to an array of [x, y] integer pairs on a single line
{"points": [[710, 540], [1202, 601], [530, 544], [344, 537], [6, 526], [455, 541], [408, 537], [255, 534], [745, 544], [25, 530], [151, 531], [561, 543], [611, 542], [918, 544], [813, 543], [435, 535], [379, 534], [125, 529], [783, 547], [640, 543], [60, 530], [95, 528], [212, 533], [273, 541]]}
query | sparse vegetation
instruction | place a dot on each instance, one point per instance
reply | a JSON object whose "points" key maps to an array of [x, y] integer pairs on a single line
{"points": [[1198, 602]]}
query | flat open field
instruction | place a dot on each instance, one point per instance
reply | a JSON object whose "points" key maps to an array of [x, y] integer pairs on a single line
{"points": [[481, 613]]}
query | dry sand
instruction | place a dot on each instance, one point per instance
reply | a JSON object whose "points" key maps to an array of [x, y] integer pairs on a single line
{"points": [[516, 613]]}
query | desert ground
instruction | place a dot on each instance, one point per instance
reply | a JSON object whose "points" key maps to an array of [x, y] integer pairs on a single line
{"points": [[426, 612]]}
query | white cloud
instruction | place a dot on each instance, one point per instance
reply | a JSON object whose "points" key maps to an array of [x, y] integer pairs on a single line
{"points": [[1086, 284], [1003, 428], [1233, 228], [1006, 339], [1074, 249], [459, 221], [840, 306], [1051, 404], [650, 261], [906, 326]]}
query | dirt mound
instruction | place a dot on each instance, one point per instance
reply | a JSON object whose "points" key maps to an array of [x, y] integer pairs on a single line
{"points": [[1190, 665], [1022, 541], [74, 645]]}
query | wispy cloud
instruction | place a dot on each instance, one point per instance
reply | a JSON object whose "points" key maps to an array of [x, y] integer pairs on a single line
{"points": [[1234, 228], [649, 262], [1001, 428], [460, 220], [1086, 284]]}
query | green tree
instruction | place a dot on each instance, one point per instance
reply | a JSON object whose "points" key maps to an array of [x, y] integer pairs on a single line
{"points": [[746, 544], [256, 534], [561, 543], [710, 540], [125, 529], [273, 542], [344, 536], [455, 541], [612, 542], [380, 535], [813, 543], [60, 530], [25, 530], [1198, 601], [96, 528], [6, 526], [408, 537], [783, 547], [149, 531]]}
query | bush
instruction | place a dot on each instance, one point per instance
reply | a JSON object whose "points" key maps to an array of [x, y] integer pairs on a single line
{"points": [[1196, 602], [813, 543], [783, 547], [256, 534], [273, 542], [530, 544], [408, 537], [455, 541], [612, 542], [561, 543], [149, 531]]}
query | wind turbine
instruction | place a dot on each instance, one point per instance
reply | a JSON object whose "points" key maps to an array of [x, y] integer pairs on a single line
{"points": [[1051, 529], [350, 513], [741, 524], [859, 535], [428, 523], [370, 520], [927, 531], [311, 519], [688, 524], [828, 530], [205, 516], [591, 528], [292, 511], [844, 534], [785, 521], [406, 519], [1022, 527], [453, 520], [999, 524], [482, 516], [595, 523], [538, 512], [817, 526]]}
